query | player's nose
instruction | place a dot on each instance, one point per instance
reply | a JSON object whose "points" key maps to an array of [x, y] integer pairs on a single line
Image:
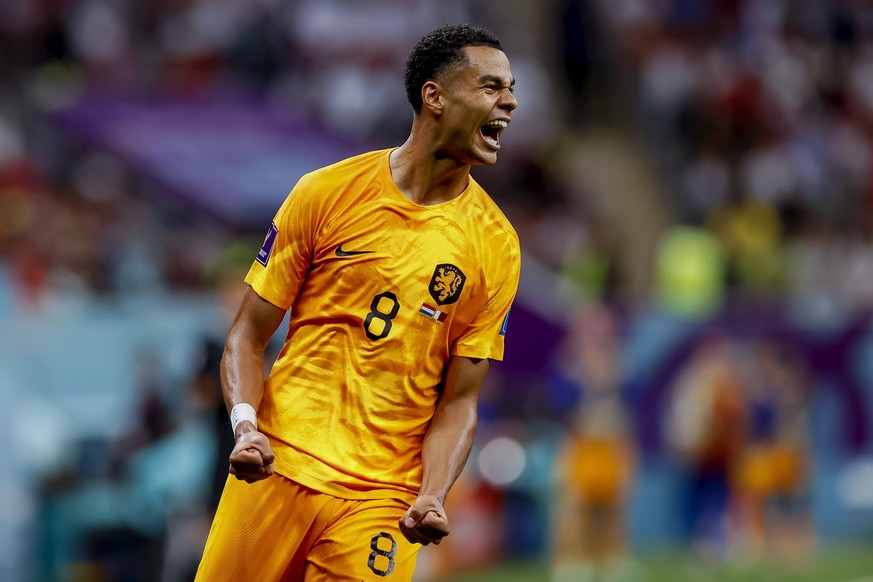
{"points": [[507, 102]]}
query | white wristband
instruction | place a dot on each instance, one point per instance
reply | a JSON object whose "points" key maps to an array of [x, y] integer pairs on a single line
{"points": [[240, 412]]}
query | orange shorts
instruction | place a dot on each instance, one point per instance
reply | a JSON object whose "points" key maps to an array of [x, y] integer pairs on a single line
{"points": [[277, 529], [773, 469], [599, 468]]}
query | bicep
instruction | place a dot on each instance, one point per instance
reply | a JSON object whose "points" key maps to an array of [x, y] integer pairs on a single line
{"points": [[464, 378], [257, 319]]}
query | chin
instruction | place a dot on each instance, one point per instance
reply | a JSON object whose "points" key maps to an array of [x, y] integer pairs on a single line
{"points": [[484, 158], [490, 160], [476, 155]]}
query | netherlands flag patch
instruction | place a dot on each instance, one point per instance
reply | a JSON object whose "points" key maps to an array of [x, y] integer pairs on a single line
{"points": [[433, 312]]}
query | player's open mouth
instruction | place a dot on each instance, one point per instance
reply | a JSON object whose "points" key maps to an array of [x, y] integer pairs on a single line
{"points": [[491, 131]]}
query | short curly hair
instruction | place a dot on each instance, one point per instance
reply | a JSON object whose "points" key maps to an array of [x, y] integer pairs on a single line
{"points": [[438, 51]]}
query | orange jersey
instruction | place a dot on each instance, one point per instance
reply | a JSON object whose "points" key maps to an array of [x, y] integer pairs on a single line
{"points": [[381, 291]]}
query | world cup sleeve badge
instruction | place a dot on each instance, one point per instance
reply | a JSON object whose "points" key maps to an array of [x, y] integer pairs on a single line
{"points": [[267, 248], [505, 323]]}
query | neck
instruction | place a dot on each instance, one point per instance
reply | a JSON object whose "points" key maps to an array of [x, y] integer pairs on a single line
{"points": [[423, 175]]}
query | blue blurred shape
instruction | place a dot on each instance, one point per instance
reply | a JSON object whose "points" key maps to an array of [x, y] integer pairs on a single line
{"points": [[233, 158]]}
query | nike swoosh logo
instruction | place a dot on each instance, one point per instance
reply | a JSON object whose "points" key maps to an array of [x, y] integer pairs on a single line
{"points": [[341, 253]]}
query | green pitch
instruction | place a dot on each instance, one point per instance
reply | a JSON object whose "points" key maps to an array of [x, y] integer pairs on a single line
{"points": [[843, 565]]}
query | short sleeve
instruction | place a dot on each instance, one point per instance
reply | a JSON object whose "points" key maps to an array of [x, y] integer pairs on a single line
{"points": [[283, 261], [484, 337]]}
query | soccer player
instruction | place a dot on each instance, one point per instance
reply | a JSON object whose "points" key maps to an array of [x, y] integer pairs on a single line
{"points": [[399, 272]]}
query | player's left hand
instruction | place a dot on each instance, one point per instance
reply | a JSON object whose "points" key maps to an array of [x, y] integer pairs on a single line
{"points": [[425, 522]]}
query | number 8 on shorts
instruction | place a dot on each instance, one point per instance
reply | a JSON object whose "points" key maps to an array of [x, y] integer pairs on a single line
{"points": [[381, 560]]}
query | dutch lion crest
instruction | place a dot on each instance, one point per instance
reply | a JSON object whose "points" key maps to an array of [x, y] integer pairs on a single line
{"points": [[446, 284]]}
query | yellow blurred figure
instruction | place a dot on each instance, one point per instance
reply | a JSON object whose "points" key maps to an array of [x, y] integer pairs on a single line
{"points": [[595, 467], [772, 476]]}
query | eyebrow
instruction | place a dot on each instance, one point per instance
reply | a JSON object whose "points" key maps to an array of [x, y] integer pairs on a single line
{"points": [[495, 79]]}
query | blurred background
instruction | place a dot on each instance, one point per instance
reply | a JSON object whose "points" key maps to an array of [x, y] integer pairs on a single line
{"points": [[687, 387]]}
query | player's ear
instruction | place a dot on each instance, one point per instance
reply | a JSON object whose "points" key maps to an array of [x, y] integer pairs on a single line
{"points": [[432, 98]]}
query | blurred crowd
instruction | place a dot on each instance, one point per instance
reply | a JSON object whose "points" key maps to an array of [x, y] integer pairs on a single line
{"points": [[755, 121], [760, 114]]}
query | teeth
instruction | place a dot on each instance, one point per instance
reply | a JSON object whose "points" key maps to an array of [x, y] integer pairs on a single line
{"points": [[498, 123]]}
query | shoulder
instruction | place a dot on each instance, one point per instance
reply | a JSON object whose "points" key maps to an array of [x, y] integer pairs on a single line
{"points": [[345, 169], [489, 214], [326, 192], [494, 238], [320, 188]]}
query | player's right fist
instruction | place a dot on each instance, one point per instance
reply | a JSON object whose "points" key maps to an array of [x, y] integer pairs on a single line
{"points": [[252, 457]]}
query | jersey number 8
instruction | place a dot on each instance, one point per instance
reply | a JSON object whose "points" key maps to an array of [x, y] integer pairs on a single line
{"points": [[383, 327]]}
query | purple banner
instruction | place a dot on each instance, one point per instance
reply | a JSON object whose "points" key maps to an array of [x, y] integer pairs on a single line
{"points": [[236, 160]]}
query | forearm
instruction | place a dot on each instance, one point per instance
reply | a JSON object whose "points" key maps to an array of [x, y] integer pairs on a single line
{"points": [[445, 449], [242, 372], [242, 365], [242, 381], [447, 446]]}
